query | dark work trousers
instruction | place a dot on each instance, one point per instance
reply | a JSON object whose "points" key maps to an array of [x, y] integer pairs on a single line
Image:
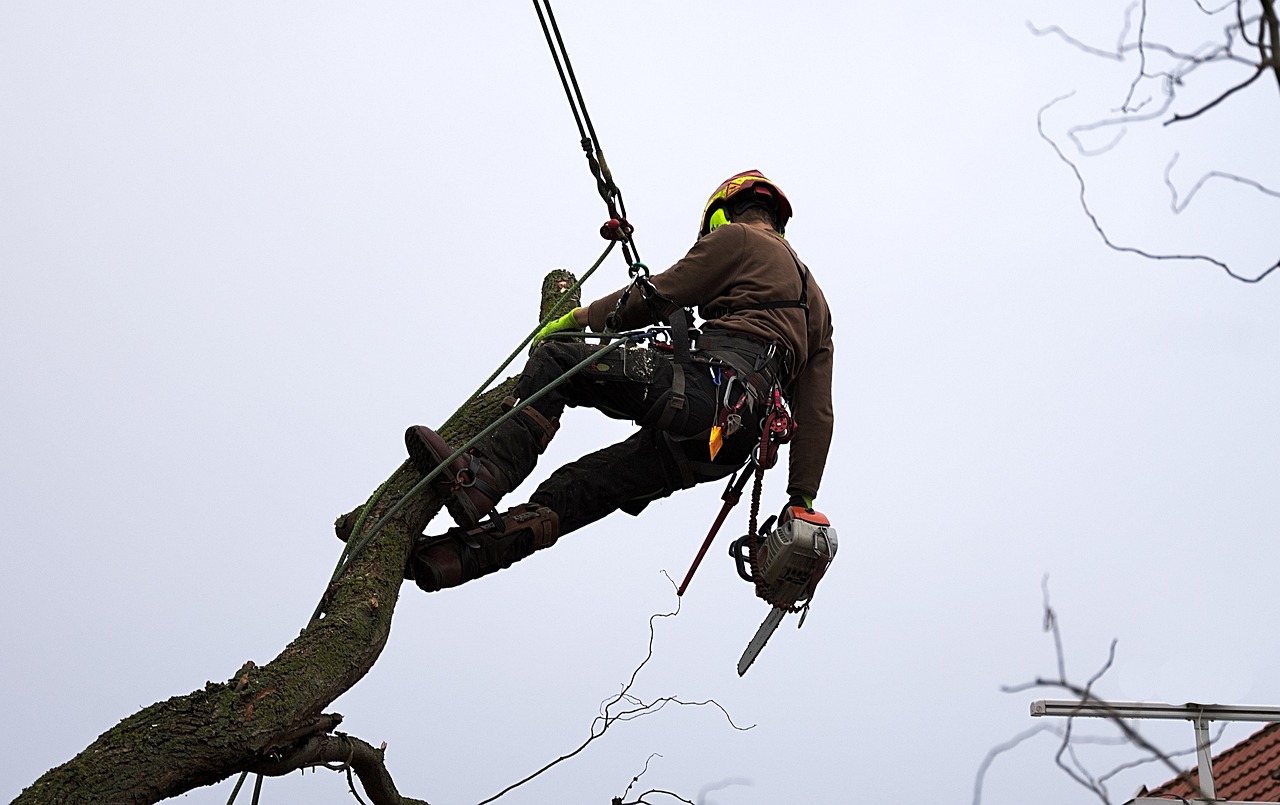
{"points": [[652, 463]]}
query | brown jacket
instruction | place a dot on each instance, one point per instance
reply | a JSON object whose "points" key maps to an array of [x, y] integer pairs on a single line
{"points": [[738, 265]]}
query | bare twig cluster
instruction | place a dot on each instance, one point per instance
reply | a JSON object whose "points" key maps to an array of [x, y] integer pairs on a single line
{"points": [[626, 706], [1248, 41], [1069, 739]]}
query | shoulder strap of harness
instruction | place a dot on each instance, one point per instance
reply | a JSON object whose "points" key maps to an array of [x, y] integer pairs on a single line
{"points": [[802, 302]]}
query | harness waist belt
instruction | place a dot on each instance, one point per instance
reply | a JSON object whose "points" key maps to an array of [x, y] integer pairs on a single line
{"points": [[747, 356]]}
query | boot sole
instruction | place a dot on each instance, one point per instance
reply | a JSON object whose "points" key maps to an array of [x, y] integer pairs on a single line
{"points": [[425, 458]]}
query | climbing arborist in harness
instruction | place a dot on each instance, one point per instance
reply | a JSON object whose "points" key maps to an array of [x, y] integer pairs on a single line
{"points": [[699, 404]]}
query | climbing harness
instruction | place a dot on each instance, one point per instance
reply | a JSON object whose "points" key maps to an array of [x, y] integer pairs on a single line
{"points": [[802, 302]]}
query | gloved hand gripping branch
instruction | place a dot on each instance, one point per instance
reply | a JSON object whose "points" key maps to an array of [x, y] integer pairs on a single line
{"points": [[568, 321]]}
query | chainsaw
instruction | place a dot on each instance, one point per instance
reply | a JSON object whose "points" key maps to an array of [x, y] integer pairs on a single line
{"points": [[785, 563]]}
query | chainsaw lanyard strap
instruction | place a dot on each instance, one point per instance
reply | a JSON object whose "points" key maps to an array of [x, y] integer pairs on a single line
{"points": [[617, 228], [775, 430]]}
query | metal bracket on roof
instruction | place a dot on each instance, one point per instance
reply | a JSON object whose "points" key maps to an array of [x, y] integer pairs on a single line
{"points": [[1204, 759], [1198, 714]]}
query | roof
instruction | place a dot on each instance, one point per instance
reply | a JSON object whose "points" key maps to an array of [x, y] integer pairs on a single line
{"points": [[1247, 772]]}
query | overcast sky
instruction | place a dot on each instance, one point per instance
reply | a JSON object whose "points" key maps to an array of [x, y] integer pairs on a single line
{"points": [[244, 245]]}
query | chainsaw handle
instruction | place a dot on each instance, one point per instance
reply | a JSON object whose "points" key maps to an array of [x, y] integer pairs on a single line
{"points": [[738, 550]]}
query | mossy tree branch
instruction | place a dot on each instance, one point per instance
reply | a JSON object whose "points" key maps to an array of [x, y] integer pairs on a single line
{"points": [[263, 716]]}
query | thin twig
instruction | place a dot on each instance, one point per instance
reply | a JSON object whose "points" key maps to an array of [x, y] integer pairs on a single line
{"points": [[1093, 219], [1173, 191], [638, 708], [1211, 104], [1078, 771]]}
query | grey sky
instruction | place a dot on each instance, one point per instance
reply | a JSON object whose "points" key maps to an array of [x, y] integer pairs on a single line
{"points": [[244, 245]]}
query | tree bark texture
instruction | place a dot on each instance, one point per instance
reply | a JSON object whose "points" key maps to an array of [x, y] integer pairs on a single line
{"points": [[269, 714]]}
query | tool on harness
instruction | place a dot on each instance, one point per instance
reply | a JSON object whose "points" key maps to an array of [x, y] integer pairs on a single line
{"points": [[776, 429], [732, 494], [786, 565]]}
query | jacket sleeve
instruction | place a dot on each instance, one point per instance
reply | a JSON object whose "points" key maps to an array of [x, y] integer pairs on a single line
{"points": [[815, 422], [697, 277]]}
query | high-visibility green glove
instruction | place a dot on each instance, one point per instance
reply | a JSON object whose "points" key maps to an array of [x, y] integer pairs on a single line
{"points": [[805, 500], [565, 322]]}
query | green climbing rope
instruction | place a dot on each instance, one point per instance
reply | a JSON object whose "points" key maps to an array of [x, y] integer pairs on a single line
{"points": [[349, 554], [556, 308]]}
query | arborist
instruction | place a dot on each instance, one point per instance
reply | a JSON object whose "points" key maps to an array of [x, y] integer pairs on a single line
{"points": [[699, 404]]}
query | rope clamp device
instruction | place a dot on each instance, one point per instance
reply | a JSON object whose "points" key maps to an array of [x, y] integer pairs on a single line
{"points": [[777, 429], [617, 228]]}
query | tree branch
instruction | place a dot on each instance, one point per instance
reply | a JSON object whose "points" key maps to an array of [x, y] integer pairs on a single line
{"points": [[1211, 104], [1267, 48], [340, 752], [227, 727]]}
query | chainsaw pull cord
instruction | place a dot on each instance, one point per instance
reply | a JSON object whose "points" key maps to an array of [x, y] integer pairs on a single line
{"points": [[617, 228]]}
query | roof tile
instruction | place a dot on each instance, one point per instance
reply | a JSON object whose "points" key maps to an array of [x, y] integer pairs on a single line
{"points": [[1247, 772]]}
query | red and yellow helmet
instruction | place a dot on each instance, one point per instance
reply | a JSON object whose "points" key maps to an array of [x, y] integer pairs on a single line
{"points": [[736, 189]]}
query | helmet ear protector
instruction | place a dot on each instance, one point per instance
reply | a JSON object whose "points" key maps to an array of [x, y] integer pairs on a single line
{"points": [[718, 219], [726, 213]]}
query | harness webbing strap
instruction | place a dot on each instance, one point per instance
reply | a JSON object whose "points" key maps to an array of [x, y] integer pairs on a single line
{"points": [[687, 481], [675, 398], [802, 302], [679, 319]]}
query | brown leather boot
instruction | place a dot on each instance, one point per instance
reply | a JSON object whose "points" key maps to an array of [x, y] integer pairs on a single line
{"points": [[461, 555], [478, 479], [475, 484]]}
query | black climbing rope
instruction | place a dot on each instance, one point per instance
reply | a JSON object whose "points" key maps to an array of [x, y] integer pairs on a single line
{"points": [[617, 228]]}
